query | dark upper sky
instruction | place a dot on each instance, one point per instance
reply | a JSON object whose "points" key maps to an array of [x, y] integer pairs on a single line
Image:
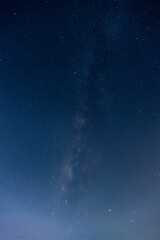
{"points": [[79, 120]]}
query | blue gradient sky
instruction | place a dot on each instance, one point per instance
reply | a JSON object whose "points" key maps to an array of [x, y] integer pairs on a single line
{"points": [[79, 120]]}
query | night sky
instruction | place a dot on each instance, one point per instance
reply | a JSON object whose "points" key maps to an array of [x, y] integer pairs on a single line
{"points": [[79, 120]]}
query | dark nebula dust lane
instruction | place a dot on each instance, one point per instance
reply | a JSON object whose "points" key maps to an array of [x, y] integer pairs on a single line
{"points": [[79, 120]]}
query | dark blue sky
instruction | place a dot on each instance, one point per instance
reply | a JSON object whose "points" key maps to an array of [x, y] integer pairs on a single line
{"points": [[79, 120]]}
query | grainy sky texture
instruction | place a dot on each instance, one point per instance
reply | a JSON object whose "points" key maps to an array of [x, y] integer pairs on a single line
{"points": [[79, 120]]}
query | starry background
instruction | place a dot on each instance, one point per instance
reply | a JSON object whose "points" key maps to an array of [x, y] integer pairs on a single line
{"points": [[79, 120]]}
